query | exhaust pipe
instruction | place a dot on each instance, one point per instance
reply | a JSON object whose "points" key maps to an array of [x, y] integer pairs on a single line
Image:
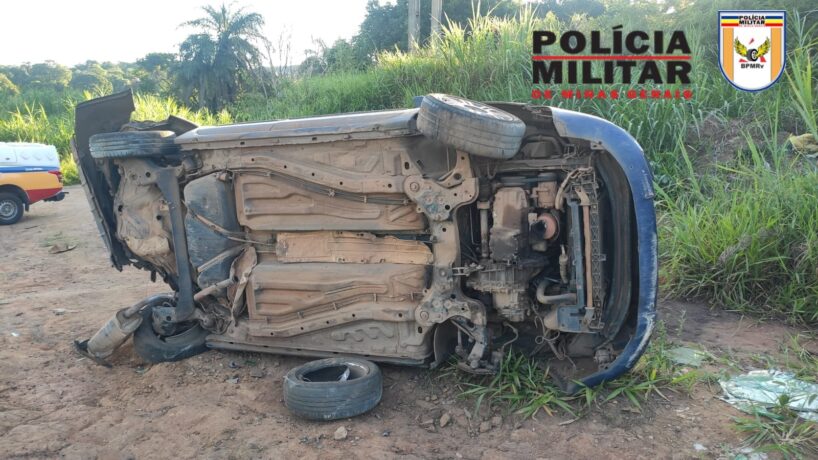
{"points": [[115, 331]]}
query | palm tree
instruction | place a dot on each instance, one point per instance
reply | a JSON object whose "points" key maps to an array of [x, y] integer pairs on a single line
{"points": [[217, 61]]}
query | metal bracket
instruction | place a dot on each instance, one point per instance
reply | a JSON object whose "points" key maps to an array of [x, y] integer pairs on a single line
{"points": [[436, 201], [167, 180]]}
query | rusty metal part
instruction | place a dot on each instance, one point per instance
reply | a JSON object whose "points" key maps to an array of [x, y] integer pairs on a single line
{"points": [[551, 224], [349, 247], [273, 204], [142, 220], [509, 233], [508, 285], [240, 271], [546, 193], [115, 331], [212, 289], [570, 177], [563, 261], [483, 207], [459, 173], [113, 334], [555, 299], [437, 201]]}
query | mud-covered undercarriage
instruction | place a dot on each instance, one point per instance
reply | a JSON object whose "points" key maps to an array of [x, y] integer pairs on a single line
{"points": [[382, 235]]}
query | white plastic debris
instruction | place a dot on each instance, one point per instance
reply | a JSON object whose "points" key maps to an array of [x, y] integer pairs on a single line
{"points": [[687, 356], [765, 388]]}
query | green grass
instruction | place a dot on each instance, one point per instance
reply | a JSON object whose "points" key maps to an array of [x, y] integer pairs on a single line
{"points": [[523, 386], [779, 429], [744, 238]]}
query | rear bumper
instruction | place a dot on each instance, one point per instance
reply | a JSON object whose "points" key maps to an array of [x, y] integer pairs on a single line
{"points": [[58, 197]]}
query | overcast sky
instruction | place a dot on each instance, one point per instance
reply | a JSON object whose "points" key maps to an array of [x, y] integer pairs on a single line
{"points": [[71, 32]]}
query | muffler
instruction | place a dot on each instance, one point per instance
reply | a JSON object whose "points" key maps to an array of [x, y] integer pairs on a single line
{"points": [[115, 331]]}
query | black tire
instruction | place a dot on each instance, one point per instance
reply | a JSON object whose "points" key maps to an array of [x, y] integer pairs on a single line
{"points": [[132, 144], [154, 348], [472, 127], [328, 398], [11, 208]]}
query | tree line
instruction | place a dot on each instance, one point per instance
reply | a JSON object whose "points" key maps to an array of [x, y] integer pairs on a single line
{"points": [[227, 54]]}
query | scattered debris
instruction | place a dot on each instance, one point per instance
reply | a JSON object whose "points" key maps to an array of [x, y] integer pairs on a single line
{"points": [[687, 356], [234, 380], [805, 143], [257, 373], [425, 405], [59, 248], [233, 365], [340, 434], [766, 388], [445, 419], [748, 453], [427, 422], [62, 311], [699, 447], [386, 433]]}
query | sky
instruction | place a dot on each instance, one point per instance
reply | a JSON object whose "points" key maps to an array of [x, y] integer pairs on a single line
{"points": [[71, 32]]}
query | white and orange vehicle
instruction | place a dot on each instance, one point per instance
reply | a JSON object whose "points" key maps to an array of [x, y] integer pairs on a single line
{"points": [[28, 173]]}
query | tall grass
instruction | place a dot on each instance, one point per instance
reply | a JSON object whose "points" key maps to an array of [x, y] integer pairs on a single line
{"points": [[745, 237], [34, 123]]}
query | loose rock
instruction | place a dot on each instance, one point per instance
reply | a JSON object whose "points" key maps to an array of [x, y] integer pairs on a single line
{"points": [[485, 426], [340, 434], [445, 419]]}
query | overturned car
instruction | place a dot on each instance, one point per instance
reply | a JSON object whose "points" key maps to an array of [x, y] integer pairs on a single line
{"points": [[454, 230]]}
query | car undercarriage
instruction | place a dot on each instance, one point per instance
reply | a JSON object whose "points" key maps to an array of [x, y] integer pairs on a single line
{"points": [[454, 231]]}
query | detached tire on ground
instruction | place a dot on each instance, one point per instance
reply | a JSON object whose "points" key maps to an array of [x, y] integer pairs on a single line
{"points": [[154, 348], [470, 126], [133, 144], [320, 390], [11, 208]]}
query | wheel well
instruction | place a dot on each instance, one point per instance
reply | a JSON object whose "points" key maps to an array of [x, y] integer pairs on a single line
{"points": [[17, 191]]}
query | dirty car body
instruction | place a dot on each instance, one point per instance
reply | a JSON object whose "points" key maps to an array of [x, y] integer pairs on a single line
{"points": [[369, 234]]}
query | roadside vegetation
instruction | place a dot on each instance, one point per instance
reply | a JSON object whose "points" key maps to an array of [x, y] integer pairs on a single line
{"points": [[735, 176]]}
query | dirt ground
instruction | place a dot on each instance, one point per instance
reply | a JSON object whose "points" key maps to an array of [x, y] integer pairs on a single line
{"points": [[56, 404]]}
